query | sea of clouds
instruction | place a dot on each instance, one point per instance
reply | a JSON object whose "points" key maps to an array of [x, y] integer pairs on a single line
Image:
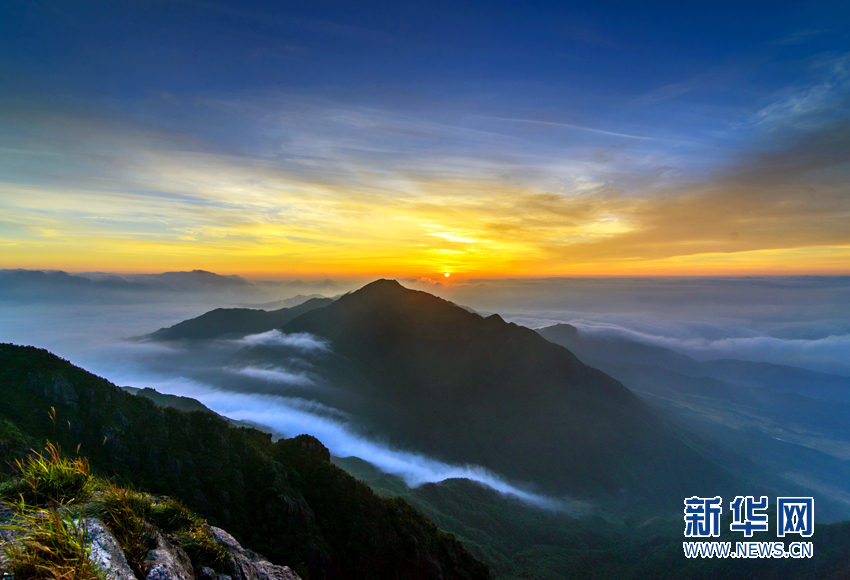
{"points": [[803, 322]]}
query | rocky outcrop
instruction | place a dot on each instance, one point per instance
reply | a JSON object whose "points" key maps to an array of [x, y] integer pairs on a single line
{"points": [[248, 565], [168, 561], [106, 553], [55, 388]]}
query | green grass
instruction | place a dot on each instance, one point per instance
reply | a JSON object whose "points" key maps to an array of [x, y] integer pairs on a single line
{"points": [[50, 478], [125, 512], [51, 546], [51, 540], [192, 533]]}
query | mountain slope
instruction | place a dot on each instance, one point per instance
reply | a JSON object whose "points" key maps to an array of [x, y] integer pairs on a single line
{"points": [[518, 541], [284, 499], [234, 322], [479, 390], [793, 423], [600, 350], [187, 404]]}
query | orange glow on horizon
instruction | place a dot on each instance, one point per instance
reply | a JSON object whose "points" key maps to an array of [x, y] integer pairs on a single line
{"points": [[267, 226], [797, 261]]}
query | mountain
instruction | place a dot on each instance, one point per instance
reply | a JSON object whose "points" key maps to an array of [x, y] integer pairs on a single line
{"points": [[188, 405], [792, 422], [234, 322], [105, 531], [194, 281], [606, 349], [286, 303], [284, 499], [28, 285], [518, 541], [470, 389]]}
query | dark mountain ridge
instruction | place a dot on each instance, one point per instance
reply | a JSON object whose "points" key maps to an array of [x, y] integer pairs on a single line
{"points": [[235, 322], [470, 389], [284, 499]]}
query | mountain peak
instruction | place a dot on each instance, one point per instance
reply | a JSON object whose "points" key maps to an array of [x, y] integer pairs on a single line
{"points": [[383, 285], [388, 304], [562, 329], [383, 282]]}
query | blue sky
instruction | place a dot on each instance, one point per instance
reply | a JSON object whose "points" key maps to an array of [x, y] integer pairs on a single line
{"points": [[594, 122]]}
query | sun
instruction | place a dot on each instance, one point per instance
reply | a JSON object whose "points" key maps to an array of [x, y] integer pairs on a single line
{"points": [[447, 274]]}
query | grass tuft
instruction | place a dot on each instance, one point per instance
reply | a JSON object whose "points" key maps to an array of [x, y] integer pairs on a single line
{"points": [[171, 516], [124, 512], [202, 548], [191, 532], [51, 478], [51, 546]]}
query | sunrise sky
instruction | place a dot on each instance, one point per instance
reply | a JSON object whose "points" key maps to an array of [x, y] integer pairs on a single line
{"points": [[352, 139]]}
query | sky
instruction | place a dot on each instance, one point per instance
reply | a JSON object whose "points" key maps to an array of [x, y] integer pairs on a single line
{"points": [[355, 140]]}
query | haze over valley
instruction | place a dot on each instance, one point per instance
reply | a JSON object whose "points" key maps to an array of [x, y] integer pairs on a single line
{"points": [[249, 364]]}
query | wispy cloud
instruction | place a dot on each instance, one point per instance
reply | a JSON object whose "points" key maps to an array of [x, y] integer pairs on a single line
{"points": [[809, 106], [572, 126], [276, 375], [302, 341], [332, 188], [290, 417], [827, 354], [798, 37]]}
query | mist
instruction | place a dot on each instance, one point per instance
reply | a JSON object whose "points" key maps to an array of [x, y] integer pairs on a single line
{"points": [[796, 320], [289, 417], [289, 396], [272, 379]]}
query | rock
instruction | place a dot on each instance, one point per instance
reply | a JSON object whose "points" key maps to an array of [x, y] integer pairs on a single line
{"points": [[209, 574], [106, 553], [168, 562], [249, 565], [54, 387], [7, 516], [312, 447]]}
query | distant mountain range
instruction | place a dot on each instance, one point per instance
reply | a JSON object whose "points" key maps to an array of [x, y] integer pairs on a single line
{"points": [[792, 422], [433, 377], [602, 350], [46, 286], [287, 303]]}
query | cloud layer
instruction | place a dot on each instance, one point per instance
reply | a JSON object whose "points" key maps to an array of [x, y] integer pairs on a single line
{"points": [[362, 187], [289, 417]]}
